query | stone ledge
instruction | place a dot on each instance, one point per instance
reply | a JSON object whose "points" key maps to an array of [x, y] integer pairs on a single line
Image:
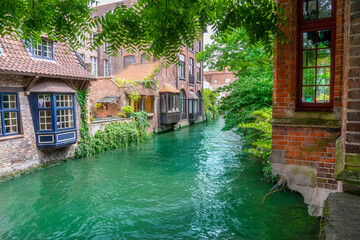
{"points": [[306, 122], [11, 137], [341, 217]]}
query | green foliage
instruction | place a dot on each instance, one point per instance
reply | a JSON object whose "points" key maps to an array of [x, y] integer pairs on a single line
{"points": [[159, 28], [84, 124], [128, 109], [121, 82], [59, 20], [134, 96], [115, 135], [210, 105], [122, 115], [251, 64], [262, 140]]}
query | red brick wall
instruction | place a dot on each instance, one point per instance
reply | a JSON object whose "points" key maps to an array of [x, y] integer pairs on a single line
{"points": [[101, 88], [308, 146], [304, 144]]}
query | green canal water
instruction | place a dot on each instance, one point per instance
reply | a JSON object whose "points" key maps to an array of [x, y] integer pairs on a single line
{"points": [[190, 184]]}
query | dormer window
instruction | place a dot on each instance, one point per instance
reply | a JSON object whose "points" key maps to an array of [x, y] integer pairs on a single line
{"points": [[43, 50]]}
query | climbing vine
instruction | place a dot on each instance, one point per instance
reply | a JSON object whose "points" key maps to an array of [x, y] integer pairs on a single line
{"points": [[84, 123]]}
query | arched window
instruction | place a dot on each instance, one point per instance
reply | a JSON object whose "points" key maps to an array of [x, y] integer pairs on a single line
{"points": [[199, 101], [129, 60], [183, 103]]}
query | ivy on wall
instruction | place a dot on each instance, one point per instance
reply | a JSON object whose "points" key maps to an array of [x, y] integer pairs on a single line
{"points": [[115, 135]]}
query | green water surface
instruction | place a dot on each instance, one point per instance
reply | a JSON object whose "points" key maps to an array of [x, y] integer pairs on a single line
{"points": [[190, 184]]}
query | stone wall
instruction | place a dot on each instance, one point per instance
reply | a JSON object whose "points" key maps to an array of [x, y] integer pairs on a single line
{"points": [[19, 152]]}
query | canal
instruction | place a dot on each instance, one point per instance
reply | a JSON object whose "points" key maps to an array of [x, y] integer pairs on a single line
{"points": [[194, 183]]}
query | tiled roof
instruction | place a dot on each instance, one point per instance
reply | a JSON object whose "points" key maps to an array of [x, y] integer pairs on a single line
{"points": [[137, 71], [168, 88], [15, 58]]}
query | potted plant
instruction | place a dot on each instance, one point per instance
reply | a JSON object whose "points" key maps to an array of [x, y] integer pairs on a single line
{"points": [[127, 110]]}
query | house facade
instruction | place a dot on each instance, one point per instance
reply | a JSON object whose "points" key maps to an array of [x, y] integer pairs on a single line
{"points": [[218, 79], [186, 77], [39, 114], [316, 111]]}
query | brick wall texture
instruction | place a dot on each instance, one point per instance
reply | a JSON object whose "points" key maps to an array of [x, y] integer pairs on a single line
{"points": [[305, 144]]}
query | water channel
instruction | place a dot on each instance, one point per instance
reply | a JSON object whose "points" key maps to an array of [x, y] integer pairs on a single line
{"points": [[194, 183]]}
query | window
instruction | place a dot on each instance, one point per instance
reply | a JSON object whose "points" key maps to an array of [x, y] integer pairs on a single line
{"points": [[316, 64], [82, 56], [9, 114], [143, 58], [92, 37], [199, 101], [173, 102], [183, 104], [182, 66], [198, 46], [191, 48], [227, 80], [94, 64], [141, 104], [64, 111], [129, 60], [106, 47], [191, 66], [106, 67], [198, 72], [43, 49]]}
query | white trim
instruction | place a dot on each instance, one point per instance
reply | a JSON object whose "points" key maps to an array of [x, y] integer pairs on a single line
{"points": [[45, 135], [67, 139]]}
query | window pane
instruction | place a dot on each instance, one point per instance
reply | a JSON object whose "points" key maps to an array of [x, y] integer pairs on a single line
{"points": [[324, 39], [45, 120], [47, 49], [10, 120], [323, 76], [38, 50], [309, 10], [324, 8], [129, 60], [44, 101], [143, 58], [323, 94], [65, 118], [324, 57], [309, 58], [0, 126], [64, 100], [9, 101], [308, 94], [309, 40]]}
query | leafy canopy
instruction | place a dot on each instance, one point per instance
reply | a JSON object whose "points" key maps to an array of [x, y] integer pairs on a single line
{"points": [[159, 27], [251, 64]]}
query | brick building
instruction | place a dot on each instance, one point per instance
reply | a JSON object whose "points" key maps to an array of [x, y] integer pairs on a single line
{"points": [[185, 77], [316, 111], [39, 114], [218, 79]]}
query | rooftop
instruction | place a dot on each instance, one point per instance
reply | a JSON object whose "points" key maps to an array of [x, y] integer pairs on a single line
{"points": [[16, 59], [137, 71]]}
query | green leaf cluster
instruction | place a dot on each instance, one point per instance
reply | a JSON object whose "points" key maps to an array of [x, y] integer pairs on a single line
{"points": [[261, 140], [210, 104], [115, 135]]}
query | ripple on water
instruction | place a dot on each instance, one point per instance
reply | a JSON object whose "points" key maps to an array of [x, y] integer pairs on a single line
{"points": [[190, 184]]}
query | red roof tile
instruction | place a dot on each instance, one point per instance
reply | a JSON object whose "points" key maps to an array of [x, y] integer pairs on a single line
{"points": [[15, 58]]}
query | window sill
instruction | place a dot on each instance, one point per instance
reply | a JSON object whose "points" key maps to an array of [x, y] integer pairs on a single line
{"points": [[181, 78], [11, 137], [307, 122]]}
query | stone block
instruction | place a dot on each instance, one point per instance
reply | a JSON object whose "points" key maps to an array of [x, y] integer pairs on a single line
{"points": [[277, 156]]}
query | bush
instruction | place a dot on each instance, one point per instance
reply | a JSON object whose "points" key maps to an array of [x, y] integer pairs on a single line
{"points": [[261, 141], [115, 135], [127, 109]]}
